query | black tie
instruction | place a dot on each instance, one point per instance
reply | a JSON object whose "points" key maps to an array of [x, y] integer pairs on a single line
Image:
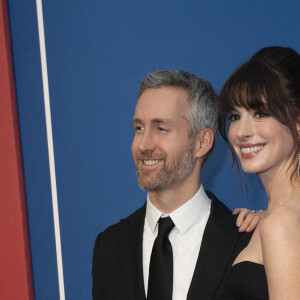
{"points": [[160, 283]]}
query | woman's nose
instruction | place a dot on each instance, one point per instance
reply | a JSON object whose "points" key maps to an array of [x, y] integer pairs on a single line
{"points": [[245, 128]]}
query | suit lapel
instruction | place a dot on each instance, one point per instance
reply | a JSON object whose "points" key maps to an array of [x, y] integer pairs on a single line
{"points": [[218, 243], [131, 251]]}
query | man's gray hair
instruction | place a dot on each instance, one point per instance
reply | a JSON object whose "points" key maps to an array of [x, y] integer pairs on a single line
{"points": [[201, 112]]}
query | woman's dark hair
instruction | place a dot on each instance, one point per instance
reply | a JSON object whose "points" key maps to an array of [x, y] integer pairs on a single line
{"points": [[270, 80]]}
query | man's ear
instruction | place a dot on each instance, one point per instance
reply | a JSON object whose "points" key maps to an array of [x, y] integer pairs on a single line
{"points": [[204, 142]]}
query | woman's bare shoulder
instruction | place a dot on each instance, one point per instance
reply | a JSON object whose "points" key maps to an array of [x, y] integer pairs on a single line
{"points": [[280, 241], [282, 223]]}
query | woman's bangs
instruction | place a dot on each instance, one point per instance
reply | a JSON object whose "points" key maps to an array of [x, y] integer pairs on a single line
{"points": [[250, 88]]}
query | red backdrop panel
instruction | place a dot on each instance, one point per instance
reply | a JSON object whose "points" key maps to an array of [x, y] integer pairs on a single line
{"points": [[15, 262]]}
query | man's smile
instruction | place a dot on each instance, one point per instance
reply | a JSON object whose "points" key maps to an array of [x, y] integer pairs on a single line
{"points": [[151, 162]]}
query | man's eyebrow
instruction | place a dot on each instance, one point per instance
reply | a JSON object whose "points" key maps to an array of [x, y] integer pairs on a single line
{"points": [[136, 120], [163, 121], [155, 121]]}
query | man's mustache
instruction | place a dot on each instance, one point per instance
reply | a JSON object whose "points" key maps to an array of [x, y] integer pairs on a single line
{"points": [[149, 155]]}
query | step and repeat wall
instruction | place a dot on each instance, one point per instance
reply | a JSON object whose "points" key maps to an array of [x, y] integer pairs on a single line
{"points": [[77, 67]]}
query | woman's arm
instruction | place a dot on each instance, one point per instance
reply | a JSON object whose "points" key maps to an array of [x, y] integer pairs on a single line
{"points": [[280, 237]]}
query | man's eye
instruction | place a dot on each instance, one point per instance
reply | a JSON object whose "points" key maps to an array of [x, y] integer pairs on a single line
{"points": [[233, 117], [261, 114], [162, 129], [138, 128]]}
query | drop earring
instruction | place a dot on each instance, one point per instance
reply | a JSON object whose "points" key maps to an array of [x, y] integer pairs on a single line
{"points": [[298, 170]]}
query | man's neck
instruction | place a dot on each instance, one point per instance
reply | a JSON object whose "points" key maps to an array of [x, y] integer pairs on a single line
{"points": [[173, 197]]}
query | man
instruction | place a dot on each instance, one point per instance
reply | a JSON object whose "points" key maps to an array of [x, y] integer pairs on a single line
{"points": [[175, 126]]}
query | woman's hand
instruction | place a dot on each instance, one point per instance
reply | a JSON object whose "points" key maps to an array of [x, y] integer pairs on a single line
{"points": [[247, 220]]}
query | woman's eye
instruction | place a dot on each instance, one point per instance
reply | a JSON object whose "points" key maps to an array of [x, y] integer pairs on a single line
{"points": [[261, 114], [233, 117]]}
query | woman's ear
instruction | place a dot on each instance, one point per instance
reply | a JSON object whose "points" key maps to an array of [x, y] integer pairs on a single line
{"points": [[204, 142]]}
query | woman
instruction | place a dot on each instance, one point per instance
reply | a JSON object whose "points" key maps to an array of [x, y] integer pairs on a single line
{"points": [[262, 101]]}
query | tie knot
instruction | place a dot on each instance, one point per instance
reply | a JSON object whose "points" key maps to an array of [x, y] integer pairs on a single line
{"points": [[165, 226]]}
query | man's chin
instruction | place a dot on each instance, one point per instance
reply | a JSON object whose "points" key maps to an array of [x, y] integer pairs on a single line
{"points": [[150, 186]]}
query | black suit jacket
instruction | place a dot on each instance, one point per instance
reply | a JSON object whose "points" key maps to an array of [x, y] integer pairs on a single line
{"points": [[118, 267]]}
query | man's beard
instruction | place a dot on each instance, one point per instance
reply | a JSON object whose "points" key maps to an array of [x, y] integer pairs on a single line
{"points": [[171, 173]]}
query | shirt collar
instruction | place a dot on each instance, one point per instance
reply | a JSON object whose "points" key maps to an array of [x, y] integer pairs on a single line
{"points": [[184, 216]]}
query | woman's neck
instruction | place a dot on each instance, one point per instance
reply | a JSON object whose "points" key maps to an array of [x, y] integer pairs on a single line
{"points": [[280, 186]]}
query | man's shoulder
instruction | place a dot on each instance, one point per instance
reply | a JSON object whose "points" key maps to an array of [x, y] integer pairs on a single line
{"points": [[221, 216], [218, 206], [120, 229]]}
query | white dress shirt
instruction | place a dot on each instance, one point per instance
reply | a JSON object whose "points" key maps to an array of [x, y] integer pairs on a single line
{"points": [[190, 220]]}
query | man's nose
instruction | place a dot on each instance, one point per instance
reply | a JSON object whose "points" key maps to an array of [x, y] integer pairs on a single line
{"points": [[147, 142]]}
